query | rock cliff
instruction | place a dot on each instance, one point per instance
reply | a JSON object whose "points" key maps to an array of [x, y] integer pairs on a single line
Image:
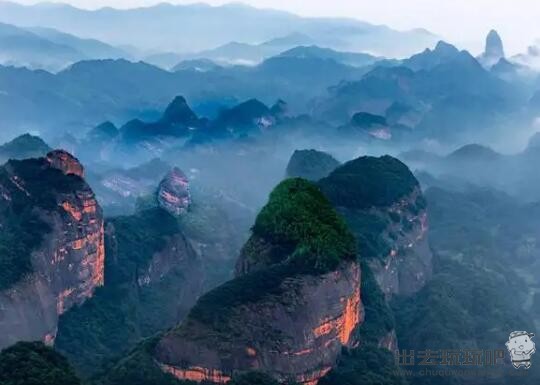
{"points": [[173, 192], [153, 278], [65, 162], [384, 206], [494, 50], [292, 307], [52, 245]]}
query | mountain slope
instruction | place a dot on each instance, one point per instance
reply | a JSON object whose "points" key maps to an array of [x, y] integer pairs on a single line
{"points": [[179, 28], [308, 288], [22, 147], [348, 58], [24, 48], [49, 49], [34, 363], [52, 245]]}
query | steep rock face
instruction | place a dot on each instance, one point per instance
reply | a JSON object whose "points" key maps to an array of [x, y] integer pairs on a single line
{"points": [[173, 192], [494, 50], [153, 278], [296, 336], [383, 204], [66, 266], [295, 302], [494, 45], [65, 162], [407, 267]]}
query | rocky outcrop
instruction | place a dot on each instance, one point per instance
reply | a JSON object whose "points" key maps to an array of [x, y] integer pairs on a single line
{"points": [[173, 193], [152, 282], [68, 264], [297, 335], [65, 162], [494, 46], [290, 310], [494, 50], [407, 266], [384, 206]]}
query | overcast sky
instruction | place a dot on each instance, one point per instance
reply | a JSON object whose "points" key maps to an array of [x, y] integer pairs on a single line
{"points": [[463, 22]]}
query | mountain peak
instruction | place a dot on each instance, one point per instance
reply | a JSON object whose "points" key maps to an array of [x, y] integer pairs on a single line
{"points": [[431, 58], [494, 46], [178, 111], [445, 48], [279, 109], [245, 113], [104, 131], [369, 182], [24, 146], [65, 162], [474, 152]]}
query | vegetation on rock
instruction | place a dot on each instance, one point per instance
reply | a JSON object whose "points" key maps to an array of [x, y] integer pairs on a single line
{"points": [[368, 181], [22, 227], [299, 215], [121, 313], [32, 363]]}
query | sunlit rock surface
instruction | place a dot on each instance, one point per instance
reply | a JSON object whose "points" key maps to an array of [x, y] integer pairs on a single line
{"points": [[173, 192], [65, 162], [69, 263], [298, 334], [294, 304]]}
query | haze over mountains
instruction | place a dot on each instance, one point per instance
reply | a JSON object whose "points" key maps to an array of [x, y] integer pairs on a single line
{"points": [[236, 196], [180, 28], [417, 92]]}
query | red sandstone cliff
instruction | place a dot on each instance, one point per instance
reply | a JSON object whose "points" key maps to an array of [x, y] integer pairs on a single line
{"points": [[294, 304], [65, 162], [296, 335], [173, 193], [69, 263]]}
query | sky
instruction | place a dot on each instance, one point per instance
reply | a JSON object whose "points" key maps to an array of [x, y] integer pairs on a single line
{"points": [[461, 22]]}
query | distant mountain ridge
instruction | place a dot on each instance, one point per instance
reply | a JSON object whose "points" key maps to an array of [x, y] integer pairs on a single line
{"points": [[180, 28], [49, 49], [236, 53]]}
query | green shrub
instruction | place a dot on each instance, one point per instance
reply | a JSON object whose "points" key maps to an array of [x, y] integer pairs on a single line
{"points": [[368, 181], [32, 363], [298, 214]]}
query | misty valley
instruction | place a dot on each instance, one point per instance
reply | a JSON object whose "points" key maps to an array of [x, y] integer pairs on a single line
{"points": [[199, 194]]}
